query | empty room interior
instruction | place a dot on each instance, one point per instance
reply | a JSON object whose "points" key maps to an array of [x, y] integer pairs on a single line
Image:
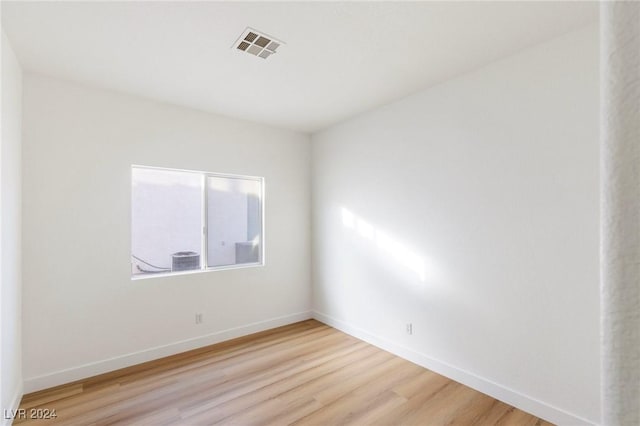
{"points": [[320, 213]]}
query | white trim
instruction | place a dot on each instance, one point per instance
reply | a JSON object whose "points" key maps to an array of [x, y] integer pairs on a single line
{"points": [[526, 403], [204, 216], [60, 377], [15, 403], [215, 174], [196, 271]]}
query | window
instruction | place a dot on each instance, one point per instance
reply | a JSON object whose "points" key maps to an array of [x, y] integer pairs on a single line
{"points": [[194, 221]]}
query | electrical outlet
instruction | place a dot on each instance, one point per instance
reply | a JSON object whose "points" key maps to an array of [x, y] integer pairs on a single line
{"points": [[198, 318], [409, 328]]}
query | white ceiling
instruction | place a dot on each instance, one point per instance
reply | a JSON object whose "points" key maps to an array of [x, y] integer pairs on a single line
{"points": [[341, 58]]}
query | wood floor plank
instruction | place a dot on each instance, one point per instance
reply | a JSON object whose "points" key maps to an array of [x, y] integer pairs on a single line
{"points": [[472, 413], [299, 380], [305, 373], [444, 407], [435, 391], [347, 401]]}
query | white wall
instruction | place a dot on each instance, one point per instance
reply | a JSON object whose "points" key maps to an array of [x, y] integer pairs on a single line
{"points": [[471, 210], [82, 313], [10, 226]]}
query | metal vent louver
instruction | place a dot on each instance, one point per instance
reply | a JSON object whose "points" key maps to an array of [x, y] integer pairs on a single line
{"points": [[257, 43]]}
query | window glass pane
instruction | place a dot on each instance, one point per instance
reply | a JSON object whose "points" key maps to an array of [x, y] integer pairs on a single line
{"points": [[234, 221], [166, 221]]}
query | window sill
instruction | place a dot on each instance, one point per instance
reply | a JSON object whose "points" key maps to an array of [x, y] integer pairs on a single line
{"points": [[196, 271]]}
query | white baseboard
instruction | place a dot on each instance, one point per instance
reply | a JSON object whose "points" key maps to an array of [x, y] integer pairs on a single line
{"points": [[56, 378], [13, 408], [499, 392]]}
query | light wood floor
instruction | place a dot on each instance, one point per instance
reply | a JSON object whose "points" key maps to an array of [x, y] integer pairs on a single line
{"points": [[305, 373]]}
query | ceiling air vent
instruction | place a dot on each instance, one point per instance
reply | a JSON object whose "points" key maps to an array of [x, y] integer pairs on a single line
{"points": [[257, 43]]}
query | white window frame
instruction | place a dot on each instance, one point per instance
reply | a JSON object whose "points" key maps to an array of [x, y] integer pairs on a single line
{"points": [[204, 258]]}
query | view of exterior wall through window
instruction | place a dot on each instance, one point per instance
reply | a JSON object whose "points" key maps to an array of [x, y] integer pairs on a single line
{"points": [[186, 221]]}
